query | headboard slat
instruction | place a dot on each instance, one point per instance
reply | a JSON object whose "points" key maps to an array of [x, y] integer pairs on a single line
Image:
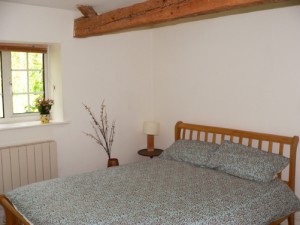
{"points": [[250, 142], [214, 137], [206, 136], [183, 135], [281, 149], [198, 135], [222, 138], [191, 134], [259, 144], [240, 140], [270, 146]]}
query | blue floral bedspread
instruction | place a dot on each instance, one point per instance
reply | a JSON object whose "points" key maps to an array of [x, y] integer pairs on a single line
{"points": [[156, 191]]}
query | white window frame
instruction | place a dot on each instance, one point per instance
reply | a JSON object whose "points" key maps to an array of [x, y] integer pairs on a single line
{"points": [[9, 116]]}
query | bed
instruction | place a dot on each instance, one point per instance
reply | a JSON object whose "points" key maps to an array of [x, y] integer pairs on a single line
{"points": [[182, 186]]}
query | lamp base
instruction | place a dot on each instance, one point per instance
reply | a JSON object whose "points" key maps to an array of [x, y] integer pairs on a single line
{"points": [[150, 143]]}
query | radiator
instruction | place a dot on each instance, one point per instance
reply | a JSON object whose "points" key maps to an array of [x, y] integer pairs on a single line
{"points": [[26, 164]]}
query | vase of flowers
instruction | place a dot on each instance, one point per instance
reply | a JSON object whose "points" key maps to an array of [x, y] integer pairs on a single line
{"points": [[103, 132], [44, 108]]}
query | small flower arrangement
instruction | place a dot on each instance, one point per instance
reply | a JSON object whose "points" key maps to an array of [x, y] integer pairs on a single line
{"points": [[44, 105], [104, 134]]}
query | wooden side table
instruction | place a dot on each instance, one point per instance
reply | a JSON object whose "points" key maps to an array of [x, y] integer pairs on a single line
{"points": [[151, 154]]}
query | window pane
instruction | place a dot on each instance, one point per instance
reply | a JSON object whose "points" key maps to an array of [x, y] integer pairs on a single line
{"points": [[1, 95], [19, 82], [35, 61], [32, 99], [20, 103], [18, 60], [36, 83]]}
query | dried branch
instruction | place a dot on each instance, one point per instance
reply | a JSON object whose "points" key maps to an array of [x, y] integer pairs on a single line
{"points": [[104, 136]]}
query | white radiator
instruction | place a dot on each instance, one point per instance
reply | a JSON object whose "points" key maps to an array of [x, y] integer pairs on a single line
{"points": [[26, 164]]}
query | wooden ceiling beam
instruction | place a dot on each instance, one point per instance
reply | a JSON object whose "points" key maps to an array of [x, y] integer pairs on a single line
{"points": [[152, 12], [87, 11]]}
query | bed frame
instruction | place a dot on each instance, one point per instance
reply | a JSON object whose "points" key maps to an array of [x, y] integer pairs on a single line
{"points": [[281, 145]]}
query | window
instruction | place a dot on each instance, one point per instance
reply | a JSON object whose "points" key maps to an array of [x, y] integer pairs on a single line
{"points": [[22, 79]]}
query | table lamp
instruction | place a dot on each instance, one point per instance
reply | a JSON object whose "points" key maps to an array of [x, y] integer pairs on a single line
{"points": [[150, 128]]}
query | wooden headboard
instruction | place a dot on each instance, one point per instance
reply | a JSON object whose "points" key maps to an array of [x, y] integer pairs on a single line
{"points": [[281, 145]]}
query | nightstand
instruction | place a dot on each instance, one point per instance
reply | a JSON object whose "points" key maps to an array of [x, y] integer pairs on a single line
{"points": [[151, 154]]}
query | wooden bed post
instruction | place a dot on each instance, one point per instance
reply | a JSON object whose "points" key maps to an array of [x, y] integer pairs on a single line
{"points": [[10, 219], [291, 219], [177, 130], [292, 172], [13, 217]]}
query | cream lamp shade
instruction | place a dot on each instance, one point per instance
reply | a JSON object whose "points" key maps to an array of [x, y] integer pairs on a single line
{"points": [[150, 128]]}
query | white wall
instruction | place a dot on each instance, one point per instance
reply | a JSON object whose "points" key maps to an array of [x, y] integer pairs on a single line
{"points": [[116, 68], [240, 71]]}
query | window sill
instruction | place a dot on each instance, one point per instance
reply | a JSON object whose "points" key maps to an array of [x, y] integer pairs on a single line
{"points": [[11, 126]]}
